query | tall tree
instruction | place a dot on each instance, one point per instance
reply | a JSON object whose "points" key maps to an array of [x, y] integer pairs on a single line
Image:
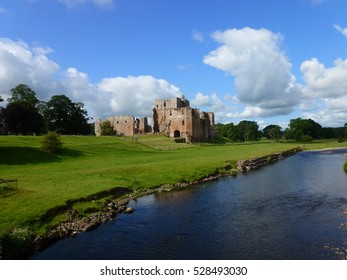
{"points": [[24, 95], [20, 119], [248, 131], [273, 132], [21, 115], [303, 127], [66, 117], [1, 99]]}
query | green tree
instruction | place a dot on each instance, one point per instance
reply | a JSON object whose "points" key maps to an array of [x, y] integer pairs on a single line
{"points": [[301, 127], [106, 128], [1, 99], [24, 95], [22, 115], [51, 142], [20, 119], [248, 131], [66, 117], [273, 132]]}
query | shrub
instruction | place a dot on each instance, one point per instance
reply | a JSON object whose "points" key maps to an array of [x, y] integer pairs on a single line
{"points": [[345, 167], [17, 244], [51, 142], [306, 138]]}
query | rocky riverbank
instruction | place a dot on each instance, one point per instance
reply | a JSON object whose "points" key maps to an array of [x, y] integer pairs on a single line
{"points": [[118, 205], [257, 162]]}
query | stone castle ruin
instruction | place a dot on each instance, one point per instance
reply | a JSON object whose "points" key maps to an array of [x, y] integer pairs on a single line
{"points": [[124, 125], [171, 117], [176, 119]]}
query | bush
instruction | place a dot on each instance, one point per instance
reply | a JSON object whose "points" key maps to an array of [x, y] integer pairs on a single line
{"points": [[51, 142], [17, 244], [306, 138], [345, 167]]}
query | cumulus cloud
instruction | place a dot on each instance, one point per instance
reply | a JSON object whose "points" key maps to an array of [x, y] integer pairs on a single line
{"points": [[98, 3], [262, 72], [135, 95], [343, 31], [324, 82], [20, 63]]}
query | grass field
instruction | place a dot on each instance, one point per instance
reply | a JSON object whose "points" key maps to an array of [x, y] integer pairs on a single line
{"points": [[88, 165]]}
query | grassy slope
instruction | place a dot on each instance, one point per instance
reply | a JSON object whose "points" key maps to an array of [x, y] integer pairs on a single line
{"points": [[92, 164]]}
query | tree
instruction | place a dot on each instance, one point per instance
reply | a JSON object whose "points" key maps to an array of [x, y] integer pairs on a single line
{"points": [[301, 127], [106, 128], [1, 99], [22, 115], [20, 119], [273, 132], [66, 117], [248, 131], [24, 95]]}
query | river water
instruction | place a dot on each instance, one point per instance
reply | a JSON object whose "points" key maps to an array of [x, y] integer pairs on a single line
{"points": [[292, 209]]}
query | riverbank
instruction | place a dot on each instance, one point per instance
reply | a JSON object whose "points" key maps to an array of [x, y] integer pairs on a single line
{"points": [[56, 189], [114, 206]]}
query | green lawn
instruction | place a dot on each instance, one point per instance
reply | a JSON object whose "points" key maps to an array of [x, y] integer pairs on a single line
{"points": [[89, 165]]}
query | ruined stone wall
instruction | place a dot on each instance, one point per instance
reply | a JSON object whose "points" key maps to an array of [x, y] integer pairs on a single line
{"points": [[182, 121], [124, 125]]}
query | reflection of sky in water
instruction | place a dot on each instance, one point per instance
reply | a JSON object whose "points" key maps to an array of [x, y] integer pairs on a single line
{"points": [[292, 209]]}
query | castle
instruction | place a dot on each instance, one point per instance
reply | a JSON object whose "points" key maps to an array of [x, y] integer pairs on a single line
{"points": [[176, 119], [171, 117]]}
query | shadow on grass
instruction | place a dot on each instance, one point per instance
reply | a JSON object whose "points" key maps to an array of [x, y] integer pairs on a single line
{"points": [[29, 155]]}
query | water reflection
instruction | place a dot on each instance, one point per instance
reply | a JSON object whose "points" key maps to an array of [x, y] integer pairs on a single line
{"points": [[289, 210]]}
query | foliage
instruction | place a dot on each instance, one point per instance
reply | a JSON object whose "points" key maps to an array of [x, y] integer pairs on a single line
{"points": [[245, 131], [21, 115], [306, 138], [17, 243], [66, 117], [106, 128], [300, 127], [1, 99], [345, 167], [51, 142], [273, 132], [21, 119], [24, 95]]}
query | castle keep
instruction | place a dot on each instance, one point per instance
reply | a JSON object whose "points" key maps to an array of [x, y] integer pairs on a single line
{"points": [[176, 119]]}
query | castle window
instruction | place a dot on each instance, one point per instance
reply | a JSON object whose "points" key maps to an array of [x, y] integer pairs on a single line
{"points": [[164, 103], [117, 122], [182, 122]]}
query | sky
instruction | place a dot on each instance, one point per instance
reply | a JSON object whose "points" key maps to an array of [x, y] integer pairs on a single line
{"points": [[267, 61]]}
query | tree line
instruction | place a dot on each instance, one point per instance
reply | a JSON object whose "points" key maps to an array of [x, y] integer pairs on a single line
{"points": [[299, 129], [25, 114]]}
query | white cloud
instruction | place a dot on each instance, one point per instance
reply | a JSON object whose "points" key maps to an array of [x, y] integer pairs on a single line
{"points": [[20, 63], [262, 74], [136, 95], [197, 36], [99, 3], [323, 82], [343, 31]]}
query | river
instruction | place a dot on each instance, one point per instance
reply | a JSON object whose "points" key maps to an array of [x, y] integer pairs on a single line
{"points": [[292, 209]]}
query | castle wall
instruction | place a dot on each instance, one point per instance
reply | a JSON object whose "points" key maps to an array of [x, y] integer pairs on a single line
{"points": [[124, 125], [182, 121]]}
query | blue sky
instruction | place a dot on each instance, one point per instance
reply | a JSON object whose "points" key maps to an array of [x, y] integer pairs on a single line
{"points": [[266, 60]]}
